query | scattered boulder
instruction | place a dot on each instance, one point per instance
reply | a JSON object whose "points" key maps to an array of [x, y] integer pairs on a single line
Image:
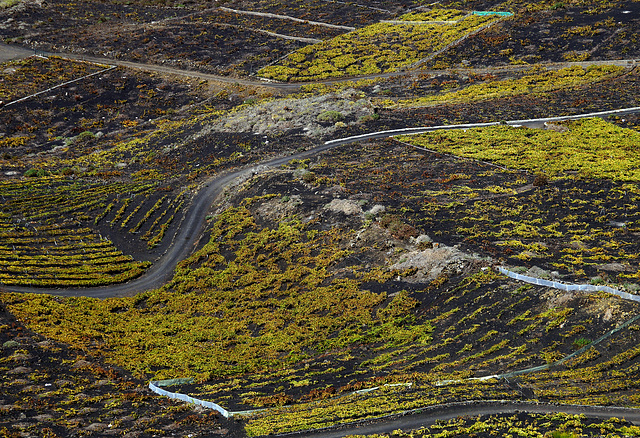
{"points": [[433, 262], [345, 206], [80, 364], [96, 427], [10, 344], [537, 272], [20, 370]]}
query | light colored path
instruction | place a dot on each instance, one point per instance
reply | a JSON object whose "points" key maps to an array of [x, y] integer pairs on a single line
{"points": [[9, 53], [287, 17]]}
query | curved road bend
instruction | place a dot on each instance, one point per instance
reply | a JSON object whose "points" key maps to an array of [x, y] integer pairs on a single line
{"points": [[192, 226], [418, 418], [184, 240]]}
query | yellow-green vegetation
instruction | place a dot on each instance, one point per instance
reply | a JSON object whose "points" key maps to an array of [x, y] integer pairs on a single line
{"points": [[43, 241], [383, 401], [269, 302], [8, 3], [31, 75], [604, 383], [595, 377], [537, 80], [435, 15], [591, 148], [258, 306], [261, 300], [380, 47]]}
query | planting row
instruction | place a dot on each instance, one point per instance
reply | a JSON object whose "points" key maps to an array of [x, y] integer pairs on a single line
{"points": [[34, 74], [43, 240], [377, 48], [280, 26], [533, 81]]}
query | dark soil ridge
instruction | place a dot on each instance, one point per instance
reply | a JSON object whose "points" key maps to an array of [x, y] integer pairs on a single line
{"points": [[49, 389]]}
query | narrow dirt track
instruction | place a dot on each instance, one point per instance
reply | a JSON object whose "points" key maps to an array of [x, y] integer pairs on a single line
{"points": [[9, 53], [17, 52]]}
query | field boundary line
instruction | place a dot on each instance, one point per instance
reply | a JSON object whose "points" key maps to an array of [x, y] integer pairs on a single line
{"points": [[267, 32], [455, 43], [59, 85], [287, 17]]}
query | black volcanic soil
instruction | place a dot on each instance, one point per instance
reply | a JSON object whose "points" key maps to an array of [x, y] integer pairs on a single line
{"points": [[561, 32], [51, 390]]}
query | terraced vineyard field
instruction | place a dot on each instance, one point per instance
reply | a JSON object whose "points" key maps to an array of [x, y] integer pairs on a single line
{"points": [[381, 47], [343, 285], [44, 242], [589, 31]]}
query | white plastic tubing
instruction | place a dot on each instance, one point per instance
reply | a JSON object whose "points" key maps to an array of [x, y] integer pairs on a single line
{"points": [[569, 287], [155, 387]]}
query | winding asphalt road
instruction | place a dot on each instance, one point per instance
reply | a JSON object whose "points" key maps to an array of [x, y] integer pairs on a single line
{"points": [[192, 226], [428, 416]]}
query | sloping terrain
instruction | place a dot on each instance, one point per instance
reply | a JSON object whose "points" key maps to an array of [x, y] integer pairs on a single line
{"points": [[341, 284]]}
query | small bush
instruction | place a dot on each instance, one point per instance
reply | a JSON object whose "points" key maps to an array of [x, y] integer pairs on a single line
{"points": [[541, 180], [34, 173], [580, 343], [396, 227], [309, 177], [85, 136], [330, 117]]}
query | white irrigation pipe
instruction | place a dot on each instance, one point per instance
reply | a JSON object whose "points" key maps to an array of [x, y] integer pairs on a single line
{"points": [[567, 286], [155, 387], [58, 86], [287, 17]]}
